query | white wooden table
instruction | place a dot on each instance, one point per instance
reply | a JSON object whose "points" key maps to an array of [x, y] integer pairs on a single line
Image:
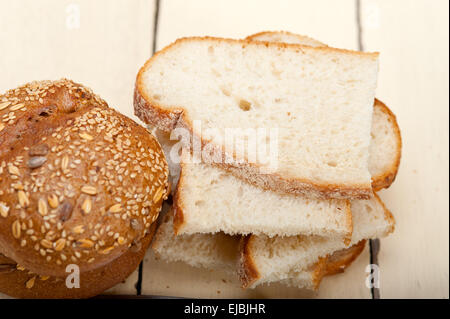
{"points": [[102, 43]]}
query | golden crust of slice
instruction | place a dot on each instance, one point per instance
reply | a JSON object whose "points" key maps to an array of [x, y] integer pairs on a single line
{"points": [[386, 178], [247, 271], [340, 260], [166, 118]]}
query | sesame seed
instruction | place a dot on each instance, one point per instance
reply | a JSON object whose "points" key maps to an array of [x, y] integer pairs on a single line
{"points": [[23, 199], [90, 190], [65, 162], [4, 209], [159, 193], [87, 206], [85, 243], [42, 207], [115, 208], [86, 136], [4, 105], [17, 107], [13, 170], [16, 229]]}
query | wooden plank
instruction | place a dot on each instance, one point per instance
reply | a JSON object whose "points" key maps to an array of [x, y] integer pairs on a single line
{"points": [[412, 37], [336, 26], [332, 22], [99, 43]]}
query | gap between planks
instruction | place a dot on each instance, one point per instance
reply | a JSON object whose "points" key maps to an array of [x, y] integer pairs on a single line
{"points": [[153, 49], [374, 244]]}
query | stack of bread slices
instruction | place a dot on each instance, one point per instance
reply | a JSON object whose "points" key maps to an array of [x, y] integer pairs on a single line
{"points": [[310, 214]]}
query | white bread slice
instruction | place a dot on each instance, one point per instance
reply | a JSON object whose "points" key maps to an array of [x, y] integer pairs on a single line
{"points": [[211, 251], [220, 252], [386, 143], [319, 99], [385, 147], [210, 200], [384, 152], [264, 259], [332, 264]]}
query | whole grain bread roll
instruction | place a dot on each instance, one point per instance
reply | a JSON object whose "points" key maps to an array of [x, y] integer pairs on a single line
{"points": [[79, 182]]}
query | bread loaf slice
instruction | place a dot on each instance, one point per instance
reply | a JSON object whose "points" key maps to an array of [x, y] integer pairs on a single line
{"points": [[211, 251], [210, 200], [264, 259], [321, 96], [220, 252], [384, 152], [333, 264], [385, 144]]}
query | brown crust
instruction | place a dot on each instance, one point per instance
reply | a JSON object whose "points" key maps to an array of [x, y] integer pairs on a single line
{"points": [[348, 212], [319, 271], [254, 37], [341, 259], [178, 218], [92, 283], [166, 119], [387, 215], [336, 263], [92, 167], [387, 178], [247, 271]]}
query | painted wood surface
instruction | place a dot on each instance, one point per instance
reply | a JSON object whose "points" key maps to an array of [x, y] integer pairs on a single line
{"points": [[412, 38]]}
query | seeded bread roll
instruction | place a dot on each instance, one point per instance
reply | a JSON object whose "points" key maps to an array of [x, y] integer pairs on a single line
{"points": [[18, 282], [79, 182]]}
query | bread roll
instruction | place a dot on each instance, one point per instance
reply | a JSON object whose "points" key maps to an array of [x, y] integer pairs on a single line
{"points": [[79, 182]]}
